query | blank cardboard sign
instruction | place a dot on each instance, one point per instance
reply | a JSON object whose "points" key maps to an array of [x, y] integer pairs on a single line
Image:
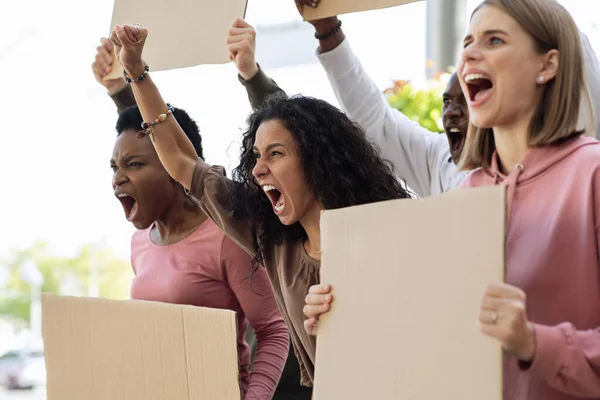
{"points": [[407, 279], [181, 33], [98, 349], [329, 8]]}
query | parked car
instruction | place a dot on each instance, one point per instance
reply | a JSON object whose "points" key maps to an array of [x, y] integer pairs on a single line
{"points": [[22, 369]]}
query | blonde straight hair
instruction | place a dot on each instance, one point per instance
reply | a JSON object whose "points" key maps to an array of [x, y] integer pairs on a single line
{"points": [[556, 116]]}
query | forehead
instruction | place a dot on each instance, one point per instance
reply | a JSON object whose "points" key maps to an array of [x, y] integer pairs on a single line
{"points": [[270, 132], [453, 87], [128, 144], [489, 18]]}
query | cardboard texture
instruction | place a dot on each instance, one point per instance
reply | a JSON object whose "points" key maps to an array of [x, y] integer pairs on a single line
{"points": [[181, 33], [330, 8], [98, 349], [407, 279]]}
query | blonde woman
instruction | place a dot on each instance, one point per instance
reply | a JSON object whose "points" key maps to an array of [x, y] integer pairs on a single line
{"points": [[522, 73]]}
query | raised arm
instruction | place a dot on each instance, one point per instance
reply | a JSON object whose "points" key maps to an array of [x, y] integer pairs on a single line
{"points": [[412, 149], [241, 43], [206, 183], [174, 149], [118, 90]]}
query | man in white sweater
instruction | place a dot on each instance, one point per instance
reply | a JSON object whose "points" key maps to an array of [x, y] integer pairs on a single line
{"points": [[424, 159]]}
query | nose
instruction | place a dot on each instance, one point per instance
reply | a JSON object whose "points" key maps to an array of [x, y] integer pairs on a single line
{"points": [[119, 178], [452, 111], [260, 170], [470, 53]]}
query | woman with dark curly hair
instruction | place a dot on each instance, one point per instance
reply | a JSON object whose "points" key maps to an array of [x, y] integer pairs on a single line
{"points": [[299, 156]]}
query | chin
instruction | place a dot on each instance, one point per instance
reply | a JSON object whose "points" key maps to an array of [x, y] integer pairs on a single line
{"points": [[481, 120], [141, 225], [287, 221]]}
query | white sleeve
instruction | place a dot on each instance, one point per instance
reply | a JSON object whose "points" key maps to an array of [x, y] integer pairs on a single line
{"points": [[592, 76], [408, 146]]}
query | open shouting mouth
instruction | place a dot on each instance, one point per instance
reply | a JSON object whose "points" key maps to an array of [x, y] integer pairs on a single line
{"points": [[130, 205], [276, 197], [480, 88]]}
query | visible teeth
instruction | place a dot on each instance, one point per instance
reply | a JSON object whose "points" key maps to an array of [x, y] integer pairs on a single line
{"points": [[121, 195], [472, 77], [279, 207], [268, 188], [454, 130]]}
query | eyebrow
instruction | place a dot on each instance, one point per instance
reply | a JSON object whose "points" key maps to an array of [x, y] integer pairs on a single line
{"points": [[127, 159], [270, 147], [487, 33]]}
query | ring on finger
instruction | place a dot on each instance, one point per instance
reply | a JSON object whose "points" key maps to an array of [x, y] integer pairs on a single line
{"points": [[494, 317]]}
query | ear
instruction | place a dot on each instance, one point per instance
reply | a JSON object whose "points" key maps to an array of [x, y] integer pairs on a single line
{"points": [[549, 67]]}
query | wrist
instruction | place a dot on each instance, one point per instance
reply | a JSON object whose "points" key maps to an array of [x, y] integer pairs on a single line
{"points": [[116, 86], [135, 70], [529, 349], [250, 73], [325, 25]]}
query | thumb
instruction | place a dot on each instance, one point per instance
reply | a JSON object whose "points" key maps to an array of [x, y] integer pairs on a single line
{"points": [[240, 23], [131, 34], [122, 36]]}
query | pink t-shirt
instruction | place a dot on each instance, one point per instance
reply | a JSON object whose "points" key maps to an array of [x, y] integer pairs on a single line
{"points": [[207, 269]]}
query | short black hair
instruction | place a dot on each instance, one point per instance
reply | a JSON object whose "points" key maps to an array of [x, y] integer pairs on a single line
{"points": [[131, 118]]}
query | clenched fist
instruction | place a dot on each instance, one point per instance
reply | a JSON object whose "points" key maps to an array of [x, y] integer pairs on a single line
{"points": [[241, 44], [504, 318], [103, 64], [129, 43]]}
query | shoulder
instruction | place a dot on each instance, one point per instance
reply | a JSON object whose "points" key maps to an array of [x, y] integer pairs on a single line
{"points": [[475, 178], [584, 156], [140, 236], [230, 251]]}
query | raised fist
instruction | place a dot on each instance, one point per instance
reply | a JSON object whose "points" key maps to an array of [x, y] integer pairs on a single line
{"points": [[241, 44], [129, 41], [103, 64]]}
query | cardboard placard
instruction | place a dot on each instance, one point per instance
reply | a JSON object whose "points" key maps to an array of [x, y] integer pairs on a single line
{"points": [[181, 33], [407, 280], [330, 8], [100, 349]]}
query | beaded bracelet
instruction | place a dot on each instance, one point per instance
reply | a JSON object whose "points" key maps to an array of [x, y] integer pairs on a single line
{"points": [[331, 33], [139, 78], [147, 126]]}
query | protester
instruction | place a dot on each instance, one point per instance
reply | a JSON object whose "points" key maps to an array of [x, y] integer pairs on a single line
{"points": [[289, 387], [180, 256], [522, 70], [299, 157]]}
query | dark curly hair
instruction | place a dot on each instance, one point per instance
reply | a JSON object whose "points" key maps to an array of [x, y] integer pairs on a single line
{"points": [[131, 118], [342, 167]]}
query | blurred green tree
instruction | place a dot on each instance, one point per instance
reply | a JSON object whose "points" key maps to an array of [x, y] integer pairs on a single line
{"points": [[63, 275], [422, 105]]}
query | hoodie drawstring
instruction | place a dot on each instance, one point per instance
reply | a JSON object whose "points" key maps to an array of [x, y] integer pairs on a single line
{"points": [[511, 182]]}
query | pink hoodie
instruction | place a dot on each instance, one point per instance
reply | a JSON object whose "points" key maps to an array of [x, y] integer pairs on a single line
{"points": [[552, 253]]}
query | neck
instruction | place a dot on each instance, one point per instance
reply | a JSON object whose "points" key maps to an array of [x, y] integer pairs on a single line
{"points": [[511, 144], [182, 216], [311, 223]]}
